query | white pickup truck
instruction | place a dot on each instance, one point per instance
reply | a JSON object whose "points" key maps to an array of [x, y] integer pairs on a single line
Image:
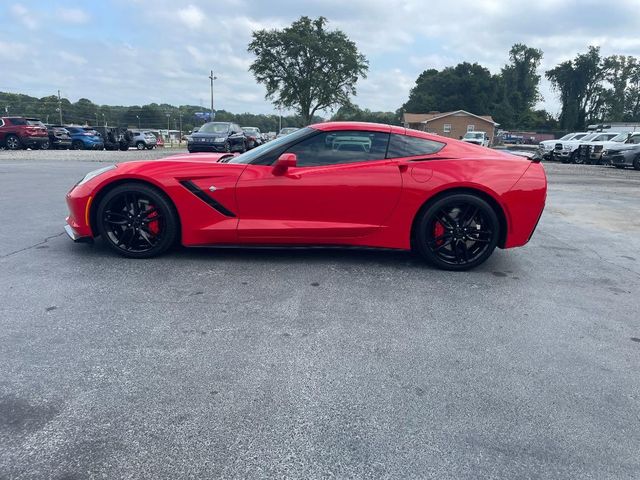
{"points": [[567, 151], [547, 146], [479, 138]]}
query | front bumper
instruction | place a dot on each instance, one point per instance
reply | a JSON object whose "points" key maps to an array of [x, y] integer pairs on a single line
{"points": [[206, 147], [619, 159], [78, 225], [60, 143]]}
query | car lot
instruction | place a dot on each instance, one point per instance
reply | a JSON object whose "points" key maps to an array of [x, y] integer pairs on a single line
{"points": [[317, 363]]}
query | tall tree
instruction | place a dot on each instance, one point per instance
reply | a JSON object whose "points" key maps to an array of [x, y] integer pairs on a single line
{"points": [[307, 67], [520, 82], [466, 86], [579, 82]]}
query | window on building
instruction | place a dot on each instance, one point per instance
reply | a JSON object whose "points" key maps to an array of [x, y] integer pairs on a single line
{"points": [[471, 128], [447, 128]]}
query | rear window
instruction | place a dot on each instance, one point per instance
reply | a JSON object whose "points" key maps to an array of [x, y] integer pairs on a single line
{"points": [[406, 146], [35, 123]]}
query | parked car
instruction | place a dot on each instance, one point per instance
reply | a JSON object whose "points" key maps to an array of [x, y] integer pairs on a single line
{"points": [[114, 138], [567, 151], [254, 137], [19, 132], [624, 155], [286, 131], [218, 137], [477, 138], [84, 138], [142, 139], [592, 153], [546, 147], [59, 137]]}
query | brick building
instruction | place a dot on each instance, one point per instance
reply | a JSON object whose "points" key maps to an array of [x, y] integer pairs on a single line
{"points": [[450, 124]]}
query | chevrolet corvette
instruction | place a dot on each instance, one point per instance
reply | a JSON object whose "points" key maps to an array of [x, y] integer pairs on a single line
{"points": [[330, 184]]}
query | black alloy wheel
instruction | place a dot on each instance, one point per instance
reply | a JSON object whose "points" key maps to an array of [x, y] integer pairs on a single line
{"points": [[137, 221], [458, 232], [13, 143]]}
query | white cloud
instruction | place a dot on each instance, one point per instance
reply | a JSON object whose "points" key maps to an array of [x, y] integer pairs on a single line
{"points": [[72, 15], [24, 16], [191, 16], [72, 58]]}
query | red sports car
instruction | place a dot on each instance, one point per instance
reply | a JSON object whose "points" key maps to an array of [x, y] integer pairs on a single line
{"points": [[336, 183]]}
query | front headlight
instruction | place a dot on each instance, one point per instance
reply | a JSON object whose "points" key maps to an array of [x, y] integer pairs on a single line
{"points": [[95, 173]]}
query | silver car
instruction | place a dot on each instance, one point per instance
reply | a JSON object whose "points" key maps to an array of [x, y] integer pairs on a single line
{"points": [[142, 139]]}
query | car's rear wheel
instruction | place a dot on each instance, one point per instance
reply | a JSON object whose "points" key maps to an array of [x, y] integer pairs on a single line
{"points": [[227, 147], [636, 163], [12, 142], [457, 232], [44, 146], [77, 145], [137, 221]]}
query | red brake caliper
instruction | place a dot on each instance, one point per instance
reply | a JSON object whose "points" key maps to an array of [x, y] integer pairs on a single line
{"points": [[438, 231], [154, 226]]}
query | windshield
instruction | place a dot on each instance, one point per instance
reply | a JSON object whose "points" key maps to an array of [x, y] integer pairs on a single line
{"points": [[474, 135], [568, 136], [250, 130], [214, 128], [586, 138], [621, 137], [288, 130], [251, 155]]}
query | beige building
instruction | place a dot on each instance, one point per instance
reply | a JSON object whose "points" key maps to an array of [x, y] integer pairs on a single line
{"points": [[450, 124]]}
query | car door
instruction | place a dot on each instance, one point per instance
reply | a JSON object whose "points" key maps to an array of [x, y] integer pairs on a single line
{"points": [[342, 187]]}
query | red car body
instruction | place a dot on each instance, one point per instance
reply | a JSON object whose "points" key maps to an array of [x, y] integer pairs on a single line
{"points": [[369, 203], [19, 132]]}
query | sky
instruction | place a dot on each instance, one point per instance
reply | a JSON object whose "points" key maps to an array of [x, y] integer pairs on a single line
{"points": [[134, 52]]}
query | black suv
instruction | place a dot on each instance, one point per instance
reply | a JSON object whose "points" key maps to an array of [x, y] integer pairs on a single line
{"points": [[218, 137], [59, 137]]}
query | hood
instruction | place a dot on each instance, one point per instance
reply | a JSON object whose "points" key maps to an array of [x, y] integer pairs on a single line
{"points": [[209, 135]]}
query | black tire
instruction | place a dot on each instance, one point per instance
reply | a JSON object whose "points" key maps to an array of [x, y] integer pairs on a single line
{"points": [[77, 145], [150, 147], [124, 147], [575, 158], [125, 217], [12, 142], [44, 146], [467, 230], [140, 145], [243, 147], [636, 163], [227, 147]]}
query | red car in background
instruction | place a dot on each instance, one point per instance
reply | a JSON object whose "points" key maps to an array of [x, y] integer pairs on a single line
{"points": [[335, 183], [19, 132]]}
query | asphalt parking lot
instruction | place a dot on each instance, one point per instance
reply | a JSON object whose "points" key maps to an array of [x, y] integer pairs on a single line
{"points": [[220, 363]]}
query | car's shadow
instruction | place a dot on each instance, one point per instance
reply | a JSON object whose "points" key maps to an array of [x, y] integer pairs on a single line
{"points": [[347, 256]]}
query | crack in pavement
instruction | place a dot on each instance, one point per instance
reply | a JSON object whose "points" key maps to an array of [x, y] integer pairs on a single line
{"points": [[32, 246]]}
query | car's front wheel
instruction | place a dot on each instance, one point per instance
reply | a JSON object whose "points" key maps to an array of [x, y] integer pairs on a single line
{"points": [[77, 145], [457, 232], [137, 221], [636, 163], [140, 146]]}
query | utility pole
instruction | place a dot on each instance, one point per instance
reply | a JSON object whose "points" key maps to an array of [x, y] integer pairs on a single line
{"points": [[138, 117], [168, 118], [279, 119], [212, 78], [60, 106], [180, 139], [97, 119]]}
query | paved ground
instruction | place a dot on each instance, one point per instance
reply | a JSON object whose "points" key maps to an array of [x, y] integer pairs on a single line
{"points": [[313, 364]]}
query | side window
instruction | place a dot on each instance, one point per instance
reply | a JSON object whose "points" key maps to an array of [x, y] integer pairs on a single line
{"points": [[635, 139], [471, 128], [406, 146], [331, 148], [447, 128]]}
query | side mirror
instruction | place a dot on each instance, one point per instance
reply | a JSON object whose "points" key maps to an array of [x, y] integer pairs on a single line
{"points": [[284, 163]]}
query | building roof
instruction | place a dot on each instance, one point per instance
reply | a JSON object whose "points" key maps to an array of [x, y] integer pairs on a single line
{"points": [[428, 117]]}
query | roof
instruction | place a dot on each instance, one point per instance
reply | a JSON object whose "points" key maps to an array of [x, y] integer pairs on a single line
{"points": [[428, 117]]}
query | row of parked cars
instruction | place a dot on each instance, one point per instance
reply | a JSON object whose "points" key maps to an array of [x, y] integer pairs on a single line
{"points": [[19, 132], [620, 149], [228, 137]]}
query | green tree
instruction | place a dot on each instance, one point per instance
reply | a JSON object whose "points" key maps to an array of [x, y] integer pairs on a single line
{"points": [[306, 67], [466, 86], [579, 82], [520, 84], [353, 113]]}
